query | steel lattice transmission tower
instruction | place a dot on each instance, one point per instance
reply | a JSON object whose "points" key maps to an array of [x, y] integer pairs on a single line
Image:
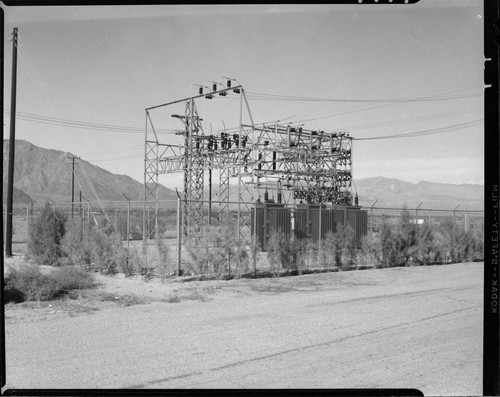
{"points": [[199, 153]]}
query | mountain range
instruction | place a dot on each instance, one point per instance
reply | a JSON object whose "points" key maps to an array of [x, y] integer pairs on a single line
{"points": [[46, 174]]}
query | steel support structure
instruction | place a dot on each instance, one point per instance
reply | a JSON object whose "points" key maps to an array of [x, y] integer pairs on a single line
{"points": [[199, 153], [303, 165], [296, 164]]}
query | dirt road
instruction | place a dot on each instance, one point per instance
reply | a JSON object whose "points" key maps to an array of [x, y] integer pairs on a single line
{"points": [[418, 327]]}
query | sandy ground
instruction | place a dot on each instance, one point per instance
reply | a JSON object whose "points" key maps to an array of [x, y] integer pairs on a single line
{"points": [[418, 327]]}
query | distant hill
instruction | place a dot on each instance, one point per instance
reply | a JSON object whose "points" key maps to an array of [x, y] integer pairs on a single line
{"points": [[389, 192], [396, 193], [19, 197], [45, 174]]}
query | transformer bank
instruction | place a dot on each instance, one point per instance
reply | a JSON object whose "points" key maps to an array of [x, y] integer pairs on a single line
{"points": [[306, 221]]}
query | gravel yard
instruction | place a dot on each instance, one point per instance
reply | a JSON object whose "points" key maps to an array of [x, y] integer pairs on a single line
{"points": [[415, 327]]}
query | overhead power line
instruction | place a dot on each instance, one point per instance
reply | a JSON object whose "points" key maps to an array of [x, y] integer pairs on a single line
{"points": [[274, 97], [426, 117], [82, 124], [440, 130]]}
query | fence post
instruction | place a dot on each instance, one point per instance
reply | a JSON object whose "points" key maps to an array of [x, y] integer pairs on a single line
{"points": [[319, 226], [371, 216], [416, 214], [179, 235], [254, 243], [454, 232]]}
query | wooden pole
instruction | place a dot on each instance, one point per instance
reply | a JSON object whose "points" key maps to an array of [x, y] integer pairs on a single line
{"points": [[10, 183]]}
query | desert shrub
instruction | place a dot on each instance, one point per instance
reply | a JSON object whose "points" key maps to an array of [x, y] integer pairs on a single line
{"points": [[330, 255], [461, 245], [154, 265], [275, 249], [449, 231], [370, 253], [285, 252], [388, 245], [310, 255], [346, 239], [72, 277], [163, 256], [128, 262], [424, 246], [106, 249], [469, 247], [242, 264], [199, 258], [45, 236], [98, 246], [431, 246], [253, 255], [406, 239], [30, 284], [136, 262], [440, 251], [219, 252]]}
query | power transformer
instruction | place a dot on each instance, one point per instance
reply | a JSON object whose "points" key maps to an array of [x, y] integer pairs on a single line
{"points": [[358, 220], [268, 217], [307, 222]]}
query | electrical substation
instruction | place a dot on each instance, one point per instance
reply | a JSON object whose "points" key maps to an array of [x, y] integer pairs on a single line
{"points": [[261, 176]]}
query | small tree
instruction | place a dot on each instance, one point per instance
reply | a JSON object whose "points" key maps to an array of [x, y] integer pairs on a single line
{"points": [[448, 230], [199, 258], [163, 254], [425, 247], [406, 238], [388, 245], [370, 254], [106, 247], [46, 234], [470, 247], [330, 255], [76, 244]]}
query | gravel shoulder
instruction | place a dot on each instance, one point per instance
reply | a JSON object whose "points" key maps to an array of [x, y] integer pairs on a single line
{"points": [[418, 327]]}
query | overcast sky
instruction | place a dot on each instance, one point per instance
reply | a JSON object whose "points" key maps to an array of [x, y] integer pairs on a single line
{"points": [[105, 65]]}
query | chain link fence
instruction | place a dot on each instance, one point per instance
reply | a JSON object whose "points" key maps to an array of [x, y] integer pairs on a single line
{"points": [[220, 235]]}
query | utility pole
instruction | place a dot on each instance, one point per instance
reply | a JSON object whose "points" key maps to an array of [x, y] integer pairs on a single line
{"points": [[72, 181], [10, 186]]}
